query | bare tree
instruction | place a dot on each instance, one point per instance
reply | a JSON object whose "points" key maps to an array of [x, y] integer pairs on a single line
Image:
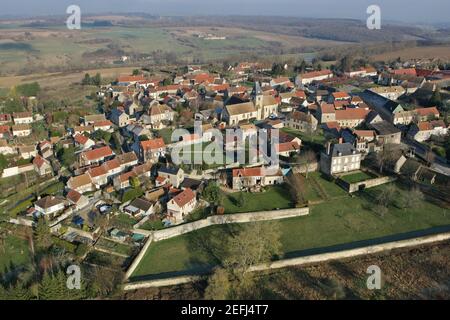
{"points": [[296, 186]]}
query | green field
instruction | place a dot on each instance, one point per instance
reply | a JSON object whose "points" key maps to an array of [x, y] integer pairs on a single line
{"points": [[357, 177], [314, 141], [13, 252], [340, 221], [276, 197]]}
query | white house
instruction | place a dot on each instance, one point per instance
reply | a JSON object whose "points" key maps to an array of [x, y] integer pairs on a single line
{"points": [[181, 205], [49, 205]]}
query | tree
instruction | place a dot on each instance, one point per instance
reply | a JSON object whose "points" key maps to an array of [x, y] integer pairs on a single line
{"points": [[387, 196], [213, 194], [253, 244], [306, 158], [296, 188], [136, 72], [240, 201], [67, 156], [134, 182], [414, 198], [3, 162], [42, 235], [385, 157], [436, 98], [218, 285]]}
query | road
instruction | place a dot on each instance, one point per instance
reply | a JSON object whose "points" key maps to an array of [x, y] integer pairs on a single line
{"points": [[439, 164]]}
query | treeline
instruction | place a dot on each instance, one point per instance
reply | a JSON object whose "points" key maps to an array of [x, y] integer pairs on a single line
{"points": [[91, 81]]}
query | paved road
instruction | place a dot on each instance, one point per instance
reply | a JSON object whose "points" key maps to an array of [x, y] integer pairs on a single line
{"points": [[439, 164]]}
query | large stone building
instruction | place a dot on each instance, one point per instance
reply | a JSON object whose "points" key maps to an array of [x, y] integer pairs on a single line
{"points": [[340, 158]]}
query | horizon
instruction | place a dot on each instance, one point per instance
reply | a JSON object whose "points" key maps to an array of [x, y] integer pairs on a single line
{"points": [[434, 13]]}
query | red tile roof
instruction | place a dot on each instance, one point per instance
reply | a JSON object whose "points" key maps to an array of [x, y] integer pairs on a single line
{"points": [[409, 71], [153, 144], [315, 74], [130, 79], [97, 154], [287, 146], [327, 108], [39, 161], [81, 139], [104, 123], [248, 172], [351, 114], [73, 196], [97, 171], [184, 197], [340, 95], [4, 129], [427, 111]]}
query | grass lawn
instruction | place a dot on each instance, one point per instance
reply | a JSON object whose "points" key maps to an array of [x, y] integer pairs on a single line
{"points": [[357, 177], [123, 221], [334, 222], [14, 252], [331, 189], [314, 141], [166, 134], [114, 246], [273, 198]]}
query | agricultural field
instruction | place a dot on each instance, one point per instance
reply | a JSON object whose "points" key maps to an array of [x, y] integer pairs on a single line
{"points": [[437, 52], [340, 222]]}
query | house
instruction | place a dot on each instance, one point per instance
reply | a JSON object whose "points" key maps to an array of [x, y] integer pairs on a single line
{"points": [[83, 142], [42, 166], [392, 93], [351, 117], [152, 150], [77, 199], [22, 117], [45, 149], [123, 181], [104, 125], [339, 96], [157, 113], [259, 176], [181, 205], [127, 160], [49, 205], [130, 80], [90, 119], [21, 130], [424, 114], [99, 176], [5, 132], [175, 175], [309, 77], [95, 156], [327, 113], [301, 121], [340, 158], [5, 148], [5, 118], [140, 207], [281, 81], [82, 183], [423, 130], [389, 110], [119, 118], [143, 170], [387, 133], [82, 129], [362, 72], [137, 130], [28, 152], [286, 149]]}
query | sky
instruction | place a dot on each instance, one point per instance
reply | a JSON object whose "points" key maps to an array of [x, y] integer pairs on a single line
{"points": [[424, 11]]}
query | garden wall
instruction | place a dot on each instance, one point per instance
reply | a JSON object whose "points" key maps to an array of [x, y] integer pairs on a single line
{"points": [[224, 219], [304, 260], [353, 187]]}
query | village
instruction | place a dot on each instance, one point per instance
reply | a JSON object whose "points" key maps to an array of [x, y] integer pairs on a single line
{"points": [[112, 180]]}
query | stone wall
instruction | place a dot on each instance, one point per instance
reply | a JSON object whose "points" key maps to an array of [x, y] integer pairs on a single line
{"points": [[224, 219], [304, 260], [353, 187], [210, 221]]}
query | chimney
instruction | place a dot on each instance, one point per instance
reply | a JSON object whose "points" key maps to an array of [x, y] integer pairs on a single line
{"points": [[341, 140], [328, 147]]}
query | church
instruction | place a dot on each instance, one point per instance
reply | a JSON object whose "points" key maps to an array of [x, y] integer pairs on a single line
{"points": [[259, 108]]}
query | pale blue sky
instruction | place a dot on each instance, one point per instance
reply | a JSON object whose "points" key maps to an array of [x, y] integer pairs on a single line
{"points": [[430, 11]]}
